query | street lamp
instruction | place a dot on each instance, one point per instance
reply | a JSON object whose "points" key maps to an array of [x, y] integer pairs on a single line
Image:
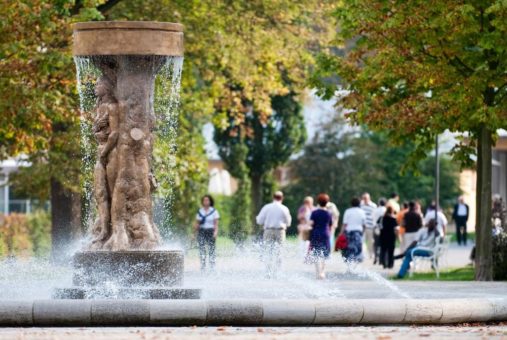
{"points": [[437, 169]]}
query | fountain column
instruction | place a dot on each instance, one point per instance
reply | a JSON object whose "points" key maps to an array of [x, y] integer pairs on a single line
{"points": [[123, 250]]}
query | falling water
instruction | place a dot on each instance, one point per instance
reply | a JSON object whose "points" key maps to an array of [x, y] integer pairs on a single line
{"points": [[166, 104]]}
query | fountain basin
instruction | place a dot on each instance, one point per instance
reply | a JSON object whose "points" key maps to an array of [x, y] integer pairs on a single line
{"points": [[250, 312], [129, 268], [128, 274], [156, 293], [124, 67]]}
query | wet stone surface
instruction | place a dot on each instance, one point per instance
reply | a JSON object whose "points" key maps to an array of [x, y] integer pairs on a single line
{"points": [[126, 293]]}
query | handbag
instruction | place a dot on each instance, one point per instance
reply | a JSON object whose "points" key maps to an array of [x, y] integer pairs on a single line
{"points": [[341, 243], [304, 231]]}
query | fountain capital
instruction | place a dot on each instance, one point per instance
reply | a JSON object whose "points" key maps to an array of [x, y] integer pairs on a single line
{"points": [[128, 38]]}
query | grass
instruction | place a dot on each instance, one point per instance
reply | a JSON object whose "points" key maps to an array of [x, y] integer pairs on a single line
{"points": [[457, 274], [470, 237]]}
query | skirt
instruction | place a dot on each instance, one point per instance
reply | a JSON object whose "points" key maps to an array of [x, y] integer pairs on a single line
{"points": [[354, 250]]}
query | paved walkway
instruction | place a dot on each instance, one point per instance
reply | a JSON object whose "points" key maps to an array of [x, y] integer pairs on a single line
{"points": [[322, 333], [242, 275]]}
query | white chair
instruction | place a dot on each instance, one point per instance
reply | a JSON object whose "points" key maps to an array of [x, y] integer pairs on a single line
{"points": [[436, 253]]}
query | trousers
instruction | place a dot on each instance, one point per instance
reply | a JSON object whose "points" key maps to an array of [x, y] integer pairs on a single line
{"points": [[408, 258], [273, 241], [461, 230], [206, 242]]}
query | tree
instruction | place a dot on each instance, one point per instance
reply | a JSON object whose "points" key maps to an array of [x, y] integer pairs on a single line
{"points": [[269, 144], [245, 43], [39, 113], [417, 68], [38, 107], [240, 222], [241, 57]]}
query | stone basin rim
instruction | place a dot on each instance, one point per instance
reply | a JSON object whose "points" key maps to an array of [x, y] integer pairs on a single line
{"points": [[128, 25]]}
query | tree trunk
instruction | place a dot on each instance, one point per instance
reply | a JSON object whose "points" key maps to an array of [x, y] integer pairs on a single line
{"points": [[483, 255], [65, 221], [256, 197]]}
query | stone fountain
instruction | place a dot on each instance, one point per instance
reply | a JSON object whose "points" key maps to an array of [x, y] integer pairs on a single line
{"points": [[123, 259]]}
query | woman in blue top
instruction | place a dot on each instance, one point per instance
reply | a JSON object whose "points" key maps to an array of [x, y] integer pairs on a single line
{"points": [[320, 246]]}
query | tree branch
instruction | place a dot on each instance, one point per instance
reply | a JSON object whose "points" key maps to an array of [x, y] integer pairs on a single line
{"points": [[456, 62], [101, 8], [107, 6], [77, 7]]}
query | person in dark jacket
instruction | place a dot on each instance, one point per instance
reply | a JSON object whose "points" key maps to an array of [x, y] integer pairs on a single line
{"points": [[460, 217], [412, 222], [388, 238]]}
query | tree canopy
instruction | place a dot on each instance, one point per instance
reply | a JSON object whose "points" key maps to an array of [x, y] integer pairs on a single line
{"points": [[269, 143], [418, 68]]}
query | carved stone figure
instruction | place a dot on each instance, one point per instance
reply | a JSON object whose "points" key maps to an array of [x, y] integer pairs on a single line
{"points": [[123, 180]]}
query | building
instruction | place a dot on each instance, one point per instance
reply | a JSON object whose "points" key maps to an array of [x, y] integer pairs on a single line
{"points": [[9, 203], [220, 182]]}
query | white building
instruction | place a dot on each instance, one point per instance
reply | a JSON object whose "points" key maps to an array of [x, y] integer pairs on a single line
{"points": [[7, 203]]}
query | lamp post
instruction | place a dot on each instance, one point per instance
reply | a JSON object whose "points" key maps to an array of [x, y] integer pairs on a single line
{"points": [[437, 179], [429, 94]]}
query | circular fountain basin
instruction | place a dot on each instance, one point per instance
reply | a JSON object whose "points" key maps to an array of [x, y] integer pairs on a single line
{"points": [[249, 312]]}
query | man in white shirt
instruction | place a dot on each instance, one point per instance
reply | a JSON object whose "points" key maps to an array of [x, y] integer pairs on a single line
{"points": [[275, 219], [369, 208], [354, 221]]}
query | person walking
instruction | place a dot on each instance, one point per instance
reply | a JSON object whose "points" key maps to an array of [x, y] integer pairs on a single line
{"points": [[393, 202], [354, 221], [304, 225], [412, 222], [335, 214], [320, 246], [378, 214], [388, 238], [460, 217], [369, 207], [206, 227], [275, 218]]}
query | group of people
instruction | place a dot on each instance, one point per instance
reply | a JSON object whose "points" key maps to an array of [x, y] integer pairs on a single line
{"points": [[418, 233], [379, 226]]}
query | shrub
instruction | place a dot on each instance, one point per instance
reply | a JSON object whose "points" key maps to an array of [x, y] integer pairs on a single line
{"points": [[39, 226], [239, 222], [25, 235], [500, 256], [15, 233], [224, 205]]}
